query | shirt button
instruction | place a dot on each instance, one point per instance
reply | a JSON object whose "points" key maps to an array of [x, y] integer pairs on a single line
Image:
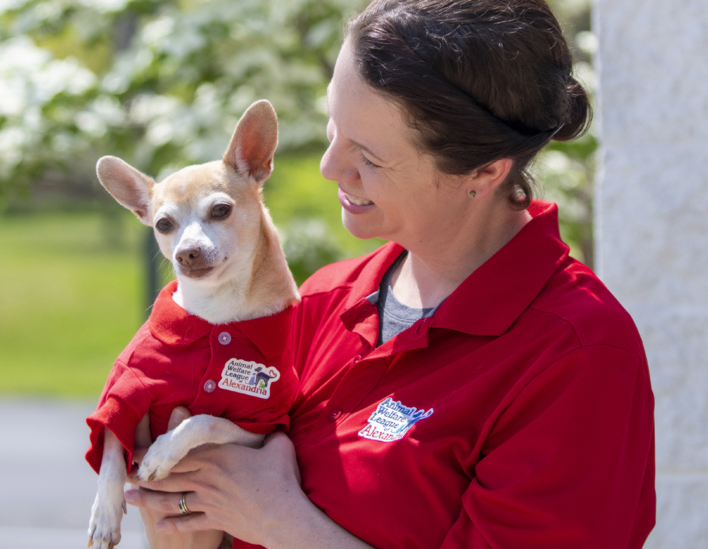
{"points": [[356, 359], [335, 414], [209, 386], [224, 338]]}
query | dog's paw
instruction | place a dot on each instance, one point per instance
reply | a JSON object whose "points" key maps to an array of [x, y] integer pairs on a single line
{"points": [[104, 528], [162, 456]]}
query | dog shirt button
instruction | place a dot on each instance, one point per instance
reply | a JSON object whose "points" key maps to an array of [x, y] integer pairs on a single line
{"points": [[224, 338], [209, 386], [356, 359], [335, 414]]}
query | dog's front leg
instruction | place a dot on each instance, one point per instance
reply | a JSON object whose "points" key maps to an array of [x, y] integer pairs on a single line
{"points": [[171, 447], [109, 506]]}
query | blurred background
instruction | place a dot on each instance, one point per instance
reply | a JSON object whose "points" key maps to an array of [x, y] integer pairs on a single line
{"points": [[161, 84]]}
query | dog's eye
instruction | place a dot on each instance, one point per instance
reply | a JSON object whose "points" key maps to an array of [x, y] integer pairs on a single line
{"points": [[220, 210], [163, 225]]}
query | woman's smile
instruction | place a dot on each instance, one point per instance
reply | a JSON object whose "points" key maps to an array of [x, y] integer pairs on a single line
{"points": [[354, 204]]}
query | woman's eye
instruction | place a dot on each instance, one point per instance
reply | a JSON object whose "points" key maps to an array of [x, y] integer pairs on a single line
{"points": [[369, 162], [163, 225], [220, 210]]}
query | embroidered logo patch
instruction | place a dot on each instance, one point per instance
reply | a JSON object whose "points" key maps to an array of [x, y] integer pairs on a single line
{"points": [[249, 378], [392, 420]]}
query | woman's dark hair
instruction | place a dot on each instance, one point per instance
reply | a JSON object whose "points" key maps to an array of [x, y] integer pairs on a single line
{"points": [[480, 80]]}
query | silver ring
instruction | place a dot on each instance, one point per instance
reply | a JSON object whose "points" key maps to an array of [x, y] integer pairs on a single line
{"points": [[183, 504]]}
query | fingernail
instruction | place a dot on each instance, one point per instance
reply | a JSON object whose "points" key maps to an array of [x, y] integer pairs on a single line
{"points": [[130, 495]]}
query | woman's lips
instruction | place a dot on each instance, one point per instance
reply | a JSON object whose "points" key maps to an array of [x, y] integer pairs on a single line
{"points": [[350, 206]]}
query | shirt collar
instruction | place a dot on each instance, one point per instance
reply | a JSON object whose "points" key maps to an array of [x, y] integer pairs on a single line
{"points": [[172, 325], [364, 291], [492, 297], [269, 333], [490, 300]]}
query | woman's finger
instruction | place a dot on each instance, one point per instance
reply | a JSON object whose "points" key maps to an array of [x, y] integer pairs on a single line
{"points": [[188, 464], [280, 442], [166, 503], [175, 482], [183, 524], [139, 455], [179, 414], [208, 454], [143, 438]]}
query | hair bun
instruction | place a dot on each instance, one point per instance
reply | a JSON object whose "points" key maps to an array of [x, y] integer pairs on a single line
{"points": [[471, 104], [578, 114]]}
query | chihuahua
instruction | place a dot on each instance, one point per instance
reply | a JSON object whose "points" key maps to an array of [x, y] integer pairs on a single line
{"points": [[216, 336]]}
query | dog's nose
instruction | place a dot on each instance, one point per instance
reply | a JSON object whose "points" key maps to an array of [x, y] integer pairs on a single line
{"points": [[188, 257]]}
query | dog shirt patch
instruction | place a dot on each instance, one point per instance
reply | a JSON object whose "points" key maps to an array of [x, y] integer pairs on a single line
{"points": [[249, 378], [392, 420]]}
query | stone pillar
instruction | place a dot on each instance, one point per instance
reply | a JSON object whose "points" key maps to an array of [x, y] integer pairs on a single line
{"points": [[651, 225]]}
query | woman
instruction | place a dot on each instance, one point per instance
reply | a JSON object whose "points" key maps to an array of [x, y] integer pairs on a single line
{"points": [[468, 384]]}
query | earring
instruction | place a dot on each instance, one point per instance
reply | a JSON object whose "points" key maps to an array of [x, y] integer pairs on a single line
{"points": [[473, 193]]}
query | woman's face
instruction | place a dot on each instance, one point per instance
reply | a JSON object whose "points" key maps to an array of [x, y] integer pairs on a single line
{"points": [[387, 188]]}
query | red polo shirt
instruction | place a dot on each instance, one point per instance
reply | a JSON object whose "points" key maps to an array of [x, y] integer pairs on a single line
{"points": [[520, 415], [177, 359]]}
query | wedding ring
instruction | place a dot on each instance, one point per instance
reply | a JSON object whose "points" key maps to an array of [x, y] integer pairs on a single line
{"points": [[183, 504]]}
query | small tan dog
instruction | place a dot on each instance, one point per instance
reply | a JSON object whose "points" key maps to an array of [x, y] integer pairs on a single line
{"points": [[230, 309]]}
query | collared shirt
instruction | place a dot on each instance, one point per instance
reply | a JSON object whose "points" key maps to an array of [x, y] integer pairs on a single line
{"points": [[520, 414], [178, 359]]}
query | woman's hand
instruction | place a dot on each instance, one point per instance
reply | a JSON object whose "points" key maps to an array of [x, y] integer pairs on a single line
{"points": [[232, 488], [158, 540], [254, 495]]}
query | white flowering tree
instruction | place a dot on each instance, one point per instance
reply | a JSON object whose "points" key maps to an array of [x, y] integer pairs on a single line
{"points": [[159, 83], [162, 83]]}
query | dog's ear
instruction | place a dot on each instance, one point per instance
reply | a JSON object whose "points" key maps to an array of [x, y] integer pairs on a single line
{"points": [[127, 185], [253, 143]]}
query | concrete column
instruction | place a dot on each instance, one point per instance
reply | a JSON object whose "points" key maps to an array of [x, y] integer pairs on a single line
{"points": [[652, 229]]}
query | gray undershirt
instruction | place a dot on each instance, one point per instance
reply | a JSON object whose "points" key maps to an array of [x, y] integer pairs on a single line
{"points": [[394, 316]]}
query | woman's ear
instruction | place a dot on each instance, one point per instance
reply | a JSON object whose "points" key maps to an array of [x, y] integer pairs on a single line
{"points": [[486, 180]]}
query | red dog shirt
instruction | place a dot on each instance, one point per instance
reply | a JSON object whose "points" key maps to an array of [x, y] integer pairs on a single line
{"points": [[226, 370]]}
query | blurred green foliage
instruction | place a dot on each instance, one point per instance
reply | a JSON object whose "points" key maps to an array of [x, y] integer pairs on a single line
{"points": [[308, 215], [566, 171]]}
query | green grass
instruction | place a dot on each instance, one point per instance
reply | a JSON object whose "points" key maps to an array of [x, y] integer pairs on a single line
{"points": [[72, 289], [68, 303]]}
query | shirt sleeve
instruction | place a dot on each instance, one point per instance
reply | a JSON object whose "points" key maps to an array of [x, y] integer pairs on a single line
{"points": [[569, 463], [123, 403]]}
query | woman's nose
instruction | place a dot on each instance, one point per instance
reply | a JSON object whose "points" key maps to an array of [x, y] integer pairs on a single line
{"points": [[336, 164]]}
